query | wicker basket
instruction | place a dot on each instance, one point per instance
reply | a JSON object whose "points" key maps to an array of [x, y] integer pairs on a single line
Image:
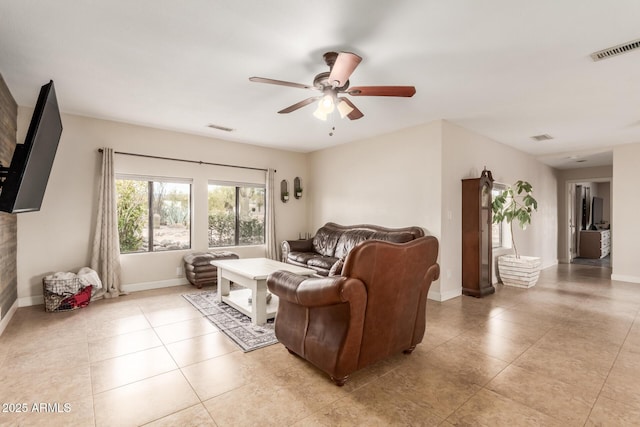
{"points": [[55, 291]]}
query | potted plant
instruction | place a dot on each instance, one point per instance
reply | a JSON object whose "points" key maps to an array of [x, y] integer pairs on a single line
{"points": [[285, 196], [516, 203]]}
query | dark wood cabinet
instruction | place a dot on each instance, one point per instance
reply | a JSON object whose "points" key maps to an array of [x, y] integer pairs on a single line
{"points": [[476, 236]]}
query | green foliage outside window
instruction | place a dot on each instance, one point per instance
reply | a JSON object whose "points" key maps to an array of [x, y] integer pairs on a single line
{"points": [[228, 204], [251, 231], [171, 205], [132, 213], [222, 227], [167, 227]]}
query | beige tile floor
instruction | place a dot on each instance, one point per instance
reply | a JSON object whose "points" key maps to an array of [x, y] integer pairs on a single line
{"points": [[565, 353]]}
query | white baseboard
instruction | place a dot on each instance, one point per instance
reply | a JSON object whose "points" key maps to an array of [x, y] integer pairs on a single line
{"points": [[6, 318], [29, 301], [134, 287], [444, 296], [145, 286], [623, 278], [551, 264]]}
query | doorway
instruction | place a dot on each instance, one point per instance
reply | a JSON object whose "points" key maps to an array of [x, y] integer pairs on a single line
{"points": [[589, 233]]}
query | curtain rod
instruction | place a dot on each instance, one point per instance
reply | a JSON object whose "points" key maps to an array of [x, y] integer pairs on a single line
{"points": [[186, 161]]}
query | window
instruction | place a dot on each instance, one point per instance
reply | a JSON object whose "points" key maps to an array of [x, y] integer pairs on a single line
{"points": [[497, 230], [153, 214], [236, 214]]}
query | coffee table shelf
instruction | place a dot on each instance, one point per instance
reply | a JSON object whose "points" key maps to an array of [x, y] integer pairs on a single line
{"points": [[239, 299], [252, 274]]}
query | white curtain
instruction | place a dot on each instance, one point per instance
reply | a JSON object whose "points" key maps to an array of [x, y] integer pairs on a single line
{"points": [[270, 234], [105, 256]]}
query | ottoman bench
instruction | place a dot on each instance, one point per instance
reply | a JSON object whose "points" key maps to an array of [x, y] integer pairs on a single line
{"points": [[198, 268]]}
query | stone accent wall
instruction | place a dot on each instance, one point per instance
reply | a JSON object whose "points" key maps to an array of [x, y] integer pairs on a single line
{"points": [[8, 222]]}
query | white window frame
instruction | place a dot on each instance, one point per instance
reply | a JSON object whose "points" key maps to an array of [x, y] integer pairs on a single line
{"points": [[153, 179], [237, 186], [505, 232]]}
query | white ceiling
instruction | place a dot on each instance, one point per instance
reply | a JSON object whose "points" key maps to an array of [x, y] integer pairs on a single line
{"points": [[507, 69]]}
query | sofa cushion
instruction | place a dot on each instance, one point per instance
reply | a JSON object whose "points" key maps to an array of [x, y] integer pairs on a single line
{"points": [[349, 239], [325, 240], [301, 257], [324, 262], [393, 236]]}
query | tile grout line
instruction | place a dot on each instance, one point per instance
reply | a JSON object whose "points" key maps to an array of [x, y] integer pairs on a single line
{"points": [[611, 368]]}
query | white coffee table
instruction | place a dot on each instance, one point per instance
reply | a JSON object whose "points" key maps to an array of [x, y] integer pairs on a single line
{"points": [[251, 273]]}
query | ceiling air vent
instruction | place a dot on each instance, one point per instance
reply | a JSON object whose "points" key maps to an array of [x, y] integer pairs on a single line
{"points": [[226, 129], [615, 50], [543, 137]]}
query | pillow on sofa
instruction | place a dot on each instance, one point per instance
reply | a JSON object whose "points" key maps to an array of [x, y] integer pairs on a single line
{"points": [[323, 262], [336, 268]]}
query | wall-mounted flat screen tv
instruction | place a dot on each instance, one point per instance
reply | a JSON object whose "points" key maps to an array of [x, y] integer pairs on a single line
{"points": [[24, 182]]}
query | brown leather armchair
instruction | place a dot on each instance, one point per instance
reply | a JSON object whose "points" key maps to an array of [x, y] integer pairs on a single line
{"points": [[375, 309]]}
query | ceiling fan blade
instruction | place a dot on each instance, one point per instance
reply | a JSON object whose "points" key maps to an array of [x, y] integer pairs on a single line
{"points": [[300, 104], [280, 83], [405, 91], [355, 114], [345, 63]]}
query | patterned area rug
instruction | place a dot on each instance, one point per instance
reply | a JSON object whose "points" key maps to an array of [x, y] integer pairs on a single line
{"points": [[234, 324]]}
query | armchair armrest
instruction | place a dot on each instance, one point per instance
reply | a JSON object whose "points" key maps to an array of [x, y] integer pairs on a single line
{"points": [[433, 273], [305, 245], [313, 292]]}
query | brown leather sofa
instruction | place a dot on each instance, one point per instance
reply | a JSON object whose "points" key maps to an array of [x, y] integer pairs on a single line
{"points": [[332, 243], [375, 309]]}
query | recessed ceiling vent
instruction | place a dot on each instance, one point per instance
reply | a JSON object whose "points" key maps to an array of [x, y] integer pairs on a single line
{"points": [[223, 128], [543, 137], [615, 50]]}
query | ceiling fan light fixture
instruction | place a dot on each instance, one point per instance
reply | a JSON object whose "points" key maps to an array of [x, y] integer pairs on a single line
{"points": [[329, 85], [327, 104], [344, 109], [319, 114]]}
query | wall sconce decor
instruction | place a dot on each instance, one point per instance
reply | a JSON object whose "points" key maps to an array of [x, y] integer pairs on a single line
{"points": [[284, 191], [297, 188]]}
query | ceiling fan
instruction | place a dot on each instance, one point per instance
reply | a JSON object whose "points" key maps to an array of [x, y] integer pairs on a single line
{"points": [[334, 84]]}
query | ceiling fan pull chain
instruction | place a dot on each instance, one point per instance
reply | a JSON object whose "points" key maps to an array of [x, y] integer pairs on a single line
{"points": [[333, 124]]}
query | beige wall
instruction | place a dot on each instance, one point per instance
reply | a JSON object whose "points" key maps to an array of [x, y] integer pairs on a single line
{"points": [[59, 237], [392, 180], [413, 177], [565, 178], [625, 232], [465, 155]]}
